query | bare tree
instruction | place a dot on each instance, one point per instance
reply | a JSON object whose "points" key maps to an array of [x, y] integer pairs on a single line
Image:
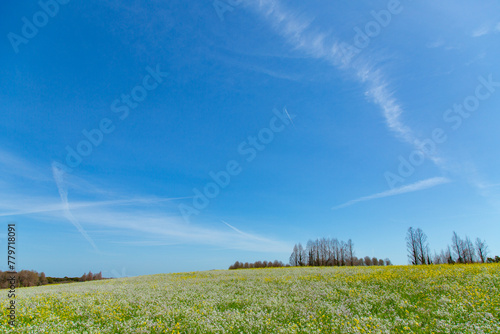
{"points": [[294, 257], [457, 244], [440, 258], [350, 252], [343, 253], [302, 259], [335, 249], [328, 252], [412, 246], [428, 253], [310, 253], [482, 250], [449, 256], [422, 246], [317, 252], [469, 251], [323, 246]]}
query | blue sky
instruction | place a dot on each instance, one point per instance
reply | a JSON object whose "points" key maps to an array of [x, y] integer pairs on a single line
{"points": [[313, 116]]}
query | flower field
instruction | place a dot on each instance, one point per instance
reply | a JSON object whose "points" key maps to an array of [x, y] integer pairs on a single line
{"points": [[394, 299]]}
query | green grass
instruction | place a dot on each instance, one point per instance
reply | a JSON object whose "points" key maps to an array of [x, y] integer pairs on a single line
{"points": [[396, 299]]}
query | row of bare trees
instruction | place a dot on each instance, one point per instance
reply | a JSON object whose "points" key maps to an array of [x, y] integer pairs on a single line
{"points": [[330, 252], [460, 250], [320, 252], [417, 246]]}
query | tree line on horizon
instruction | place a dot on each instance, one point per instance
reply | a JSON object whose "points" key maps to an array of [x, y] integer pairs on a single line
{"points": [[24, 278], [90, 277], [460, 250], [320, 252], [27, 278], [331, 252], [258, 264]]}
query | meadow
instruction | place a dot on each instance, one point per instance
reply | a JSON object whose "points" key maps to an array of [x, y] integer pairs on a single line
{"points": [[393, 299]]}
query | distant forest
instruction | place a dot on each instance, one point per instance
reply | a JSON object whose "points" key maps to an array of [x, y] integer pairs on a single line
{"points": [[25, 278], [459, 251], [320, 252]]}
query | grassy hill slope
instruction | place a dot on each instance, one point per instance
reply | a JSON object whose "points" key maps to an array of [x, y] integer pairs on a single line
{"points": [[394, 299]]}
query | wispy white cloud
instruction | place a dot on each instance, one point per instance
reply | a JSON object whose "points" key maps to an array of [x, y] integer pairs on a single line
{"points": [[23, 170], [489, 185], [435, 44], [481, 31], [304, 36], [150, 243], [151, 222], [379, 93], [133, 220], [486, 29], [155, 227], [420, 185], [44, 205], [300, 33], [63, 193], [246, 235], [11, 164]]}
